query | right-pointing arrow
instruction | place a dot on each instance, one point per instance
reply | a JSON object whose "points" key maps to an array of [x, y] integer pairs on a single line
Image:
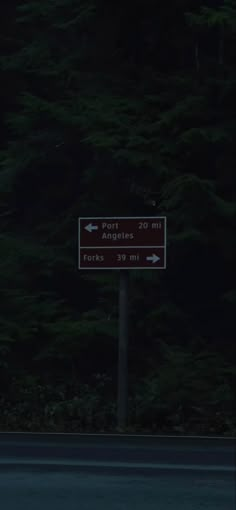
{"points": [[154, 258]]}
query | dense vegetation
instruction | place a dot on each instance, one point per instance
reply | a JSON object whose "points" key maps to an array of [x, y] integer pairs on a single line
{"points": [[117, 108]]}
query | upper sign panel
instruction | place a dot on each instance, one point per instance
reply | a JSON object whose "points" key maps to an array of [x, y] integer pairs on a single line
{"points": [[125, 232]]}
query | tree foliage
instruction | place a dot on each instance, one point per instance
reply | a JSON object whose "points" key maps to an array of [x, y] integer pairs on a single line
{"points": [[124, 109]]}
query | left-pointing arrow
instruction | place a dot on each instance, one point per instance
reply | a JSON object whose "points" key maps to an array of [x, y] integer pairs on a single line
{"points": [[90, 227]]}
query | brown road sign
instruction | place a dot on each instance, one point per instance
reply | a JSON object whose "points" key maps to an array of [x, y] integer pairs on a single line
{"points": [[128, 243], [118, 258]]}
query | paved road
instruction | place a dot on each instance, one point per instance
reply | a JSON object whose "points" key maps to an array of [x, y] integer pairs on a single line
{"points": [[60, 472]]}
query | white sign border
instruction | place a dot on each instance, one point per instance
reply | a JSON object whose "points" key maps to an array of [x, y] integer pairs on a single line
{"points": [[140, 218]]}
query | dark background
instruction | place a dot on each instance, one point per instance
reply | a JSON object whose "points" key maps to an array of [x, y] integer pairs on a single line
{"points": [[124, 109]]}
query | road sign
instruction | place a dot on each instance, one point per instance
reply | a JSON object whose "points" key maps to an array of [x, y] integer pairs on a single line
{"points": [[122, 243]]}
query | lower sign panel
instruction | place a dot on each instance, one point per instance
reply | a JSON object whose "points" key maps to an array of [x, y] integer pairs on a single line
{"points": [[122, 258]]}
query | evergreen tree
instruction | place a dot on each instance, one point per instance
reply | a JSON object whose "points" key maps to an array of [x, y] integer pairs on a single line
{"points": [[121, 110]]}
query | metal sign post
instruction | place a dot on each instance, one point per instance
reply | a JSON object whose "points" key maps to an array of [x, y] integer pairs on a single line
{"points": [[122, 244], [122, 398]]}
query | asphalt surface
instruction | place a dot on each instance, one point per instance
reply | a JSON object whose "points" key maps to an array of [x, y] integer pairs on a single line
{"points": [[82, 472]]}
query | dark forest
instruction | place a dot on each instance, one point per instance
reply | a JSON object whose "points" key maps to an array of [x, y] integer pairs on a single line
{"points": [[117, 109]]}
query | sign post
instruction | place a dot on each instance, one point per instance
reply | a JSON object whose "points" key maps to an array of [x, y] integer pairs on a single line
{"points": [[122, 400], [122, 244]]}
